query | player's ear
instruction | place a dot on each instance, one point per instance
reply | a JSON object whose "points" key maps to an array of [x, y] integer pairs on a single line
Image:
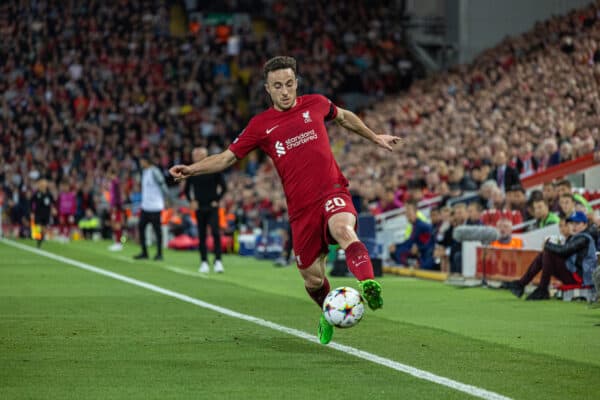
{"points": [[267, 88]]}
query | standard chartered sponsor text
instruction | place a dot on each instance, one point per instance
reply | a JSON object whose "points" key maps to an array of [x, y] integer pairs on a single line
{"points": [[301, 139]]}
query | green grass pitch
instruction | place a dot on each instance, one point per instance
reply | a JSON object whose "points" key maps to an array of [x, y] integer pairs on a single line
{"points": [[67, 333]]}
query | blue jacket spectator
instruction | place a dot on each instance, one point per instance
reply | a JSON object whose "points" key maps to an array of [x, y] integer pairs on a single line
{"points": [[421, 239]]}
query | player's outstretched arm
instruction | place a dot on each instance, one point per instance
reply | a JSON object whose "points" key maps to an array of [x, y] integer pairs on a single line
{"points": [[209, 165], [350, 121]]}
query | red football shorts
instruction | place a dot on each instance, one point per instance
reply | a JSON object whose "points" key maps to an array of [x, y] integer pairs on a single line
{"points": [[310, 232]]}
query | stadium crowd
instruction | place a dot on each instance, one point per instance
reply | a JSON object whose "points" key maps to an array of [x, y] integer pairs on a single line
{"points": [[88, 87]]}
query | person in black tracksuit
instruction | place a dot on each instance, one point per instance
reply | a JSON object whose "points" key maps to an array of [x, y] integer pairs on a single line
{"points": [[42, 204], [204, 192]]}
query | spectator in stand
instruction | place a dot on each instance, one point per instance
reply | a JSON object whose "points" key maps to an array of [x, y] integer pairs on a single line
{"points": [[564, 231], [526, 164], [420, 242], [506, 240], [474, 213], [543, 216], [89, 224], [564, 187], [567, 204], [551, 196], [485, 193], [506, 177], [387, 203], [517, 201], [552, 153], [452, 247], [499, 209], [572, 262]]}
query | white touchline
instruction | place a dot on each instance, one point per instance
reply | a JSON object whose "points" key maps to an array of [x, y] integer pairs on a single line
{"points": [[386, 362]]}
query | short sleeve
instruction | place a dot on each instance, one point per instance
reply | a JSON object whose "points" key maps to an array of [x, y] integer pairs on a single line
{"points": [[246, 141], [330, 109]]}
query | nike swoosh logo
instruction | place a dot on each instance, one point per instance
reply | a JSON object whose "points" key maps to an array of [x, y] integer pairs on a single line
{"points": [[358, 263], [271, 129]]}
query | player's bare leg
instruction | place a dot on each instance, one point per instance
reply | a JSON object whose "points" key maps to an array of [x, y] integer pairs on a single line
{"points": [[117, 232], [341, 228], [317, 286]]}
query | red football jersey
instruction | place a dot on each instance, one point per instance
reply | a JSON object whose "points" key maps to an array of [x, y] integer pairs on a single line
{"points": [[297, 141]]}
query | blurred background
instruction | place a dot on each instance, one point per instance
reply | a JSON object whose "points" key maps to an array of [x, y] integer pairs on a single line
{"points": [[474, 87]]}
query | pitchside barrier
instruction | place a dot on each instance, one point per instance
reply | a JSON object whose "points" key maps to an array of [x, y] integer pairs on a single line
{"points": [[506, 264]]}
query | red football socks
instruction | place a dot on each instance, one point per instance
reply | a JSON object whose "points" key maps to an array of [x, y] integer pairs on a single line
{"points": [[358, 261], [118, 234], [318, 295]]}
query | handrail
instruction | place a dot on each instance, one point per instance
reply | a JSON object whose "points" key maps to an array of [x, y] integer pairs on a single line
{"points": [[560, 170], [401, 211]]}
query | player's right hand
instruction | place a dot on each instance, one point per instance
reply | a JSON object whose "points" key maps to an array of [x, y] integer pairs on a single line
{"points": [[180, 172]]}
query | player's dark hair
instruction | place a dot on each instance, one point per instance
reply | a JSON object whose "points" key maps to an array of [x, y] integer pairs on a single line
{"points": [[564, 182], [279, 62]]}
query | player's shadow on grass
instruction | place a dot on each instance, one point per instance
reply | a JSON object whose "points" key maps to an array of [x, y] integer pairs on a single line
{"points": [[292, 345]]}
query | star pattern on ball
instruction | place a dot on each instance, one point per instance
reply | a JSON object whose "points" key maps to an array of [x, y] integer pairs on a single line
{"points": [[347, 310], [328, 308]]}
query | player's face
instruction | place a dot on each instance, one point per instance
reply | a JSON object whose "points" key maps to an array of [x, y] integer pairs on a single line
{"points": [[281, 86]]}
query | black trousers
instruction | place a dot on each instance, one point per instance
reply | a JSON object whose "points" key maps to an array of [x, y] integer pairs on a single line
{"points": [[551, 265], [152, 218], [208, 217]]}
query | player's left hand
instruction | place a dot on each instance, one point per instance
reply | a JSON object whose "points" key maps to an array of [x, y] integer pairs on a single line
{"points": [[386, 141]]}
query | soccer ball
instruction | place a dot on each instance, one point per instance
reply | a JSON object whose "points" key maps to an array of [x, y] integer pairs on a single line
{"points": [[343, 307]]}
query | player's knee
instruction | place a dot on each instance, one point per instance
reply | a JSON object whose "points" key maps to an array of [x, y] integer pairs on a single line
{"points": [[342, 232], [313, 281]]}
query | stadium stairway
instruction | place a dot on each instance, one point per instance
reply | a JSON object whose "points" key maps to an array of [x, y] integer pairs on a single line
{"points": [[177, 20]]}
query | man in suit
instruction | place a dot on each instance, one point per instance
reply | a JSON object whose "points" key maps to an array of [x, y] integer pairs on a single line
{"points": [[504, 175]]}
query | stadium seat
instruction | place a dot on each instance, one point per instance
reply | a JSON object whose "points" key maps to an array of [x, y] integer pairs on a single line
{"points": [[576, 291]]}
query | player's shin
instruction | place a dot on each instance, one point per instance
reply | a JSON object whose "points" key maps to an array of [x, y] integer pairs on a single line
{"points": [[358, 261], [319, 294]]}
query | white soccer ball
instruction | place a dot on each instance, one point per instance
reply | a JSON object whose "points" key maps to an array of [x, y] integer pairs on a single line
{"points": [[343, 307]]}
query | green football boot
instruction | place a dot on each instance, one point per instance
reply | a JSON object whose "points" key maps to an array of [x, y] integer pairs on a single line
{"points": [[325, 332], [371, 292]]}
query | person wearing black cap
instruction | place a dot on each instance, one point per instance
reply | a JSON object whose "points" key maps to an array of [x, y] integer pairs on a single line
{"points": [[154, 191], [572, 262]]}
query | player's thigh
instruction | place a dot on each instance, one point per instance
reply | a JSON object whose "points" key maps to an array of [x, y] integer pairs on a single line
{"points": [[340, 216], [308, 240], [315, 274], [341, 228]]}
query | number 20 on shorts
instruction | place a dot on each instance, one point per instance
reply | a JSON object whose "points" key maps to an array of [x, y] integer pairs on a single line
{"points": [[335, 202]]}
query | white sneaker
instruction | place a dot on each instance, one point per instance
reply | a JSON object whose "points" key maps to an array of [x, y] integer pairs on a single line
{"points": [[218, 267], [115, 247], [204, 268]]}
